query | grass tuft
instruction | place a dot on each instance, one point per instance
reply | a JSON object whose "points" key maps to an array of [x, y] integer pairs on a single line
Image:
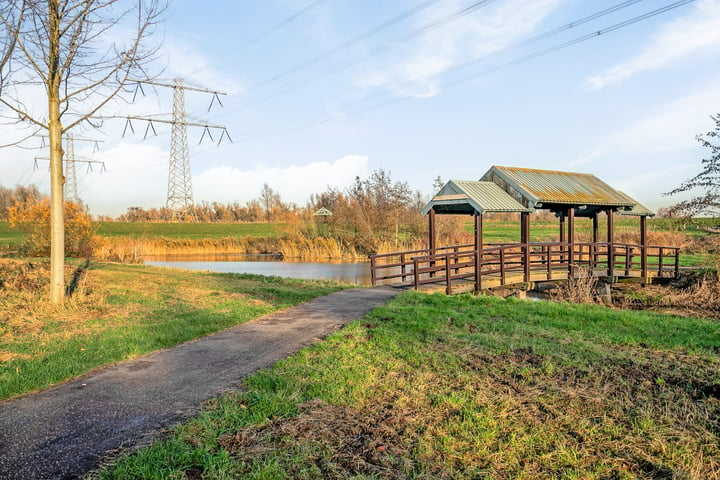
{"points": [[460, 387]]}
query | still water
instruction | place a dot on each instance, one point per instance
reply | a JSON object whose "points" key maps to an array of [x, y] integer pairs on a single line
{"points": [[272, 265]]}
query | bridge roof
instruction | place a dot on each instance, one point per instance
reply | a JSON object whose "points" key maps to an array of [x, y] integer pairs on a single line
{"points": [[513, 189], [555, 190], [466, 197]]}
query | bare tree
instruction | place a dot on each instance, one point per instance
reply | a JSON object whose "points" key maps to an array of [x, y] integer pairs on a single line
{"points": [[270, 201], [81, 53], [708, 180]]}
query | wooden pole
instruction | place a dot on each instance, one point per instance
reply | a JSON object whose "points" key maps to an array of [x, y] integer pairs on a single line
{"points": [[431, 232], [611, 242], [525, 240], [595, 239], [478, 248], [571, 241], [562, 236], [432, 240], [643, 248]]}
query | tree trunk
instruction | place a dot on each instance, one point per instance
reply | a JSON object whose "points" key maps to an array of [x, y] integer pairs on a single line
{"points": [[57, 220]]}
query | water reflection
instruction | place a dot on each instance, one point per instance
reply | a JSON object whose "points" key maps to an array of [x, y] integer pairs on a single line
{"points": [[273, 265]]}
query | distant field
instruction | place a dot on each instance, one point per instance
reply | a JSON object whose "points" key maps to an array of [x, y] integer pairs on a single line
{"points": [[547, 230], [191, 230], [8, 236]]}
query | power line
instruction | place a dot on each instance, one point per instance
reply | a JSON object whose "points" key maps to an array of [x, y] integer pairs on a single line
{"points": [[253, 40], [380, 49], [604, 31], [348, 43], [431, 26]]}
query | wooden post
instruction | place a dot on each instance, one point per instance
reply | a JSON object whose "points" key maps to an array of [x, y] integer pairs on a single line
{"points": [[525, 240], [478, 248], [571, 241], [562, 235], [595, 239], [611, 242], [431, 232], [643, 248], [432, 237]]}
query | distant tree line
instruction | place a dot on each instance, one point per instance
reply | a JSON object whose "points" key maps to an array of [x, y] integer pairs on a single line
{"points": [[17, 194]]}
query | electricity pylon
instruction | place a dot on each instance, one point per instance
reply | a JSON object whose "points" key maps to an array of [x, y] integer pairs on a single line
{"points": [[179, 196], [70, 161]]}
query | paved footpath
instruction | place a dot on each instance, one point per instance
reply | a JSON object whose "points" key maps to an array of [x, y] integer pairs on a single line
{"points": [[66, 431]]}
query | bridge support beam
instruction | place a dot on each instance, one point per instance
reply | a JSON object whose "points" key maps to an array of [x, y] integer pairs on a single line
{"points": [[611, 242], [478, 247], [571, 241], [525, 241], [432, 237], [643, 247], [595, 240]]}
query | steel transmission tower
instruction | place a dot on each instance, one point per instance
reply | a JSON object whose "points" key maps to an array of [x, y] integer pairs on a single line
{"points": [[70, 161], [70, 171], [180, 196], [179, 193]]}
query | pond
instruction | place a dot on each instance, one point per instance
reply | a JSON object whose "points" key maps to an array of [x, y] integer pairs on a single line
{"points": [[272, 265]]}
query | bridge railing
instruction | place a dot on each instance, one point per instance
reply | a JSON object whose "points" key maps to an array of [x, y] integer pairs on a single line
{"points": [[550, 261]]}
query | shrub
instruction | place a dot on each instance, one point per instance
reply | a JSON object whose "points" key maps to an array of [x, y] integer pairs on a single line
{"points": [[33, 218]]}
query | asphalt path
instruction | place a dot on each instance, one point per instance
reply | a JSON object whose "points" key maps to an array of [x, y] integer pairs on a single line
{"points": [[67, 431]]}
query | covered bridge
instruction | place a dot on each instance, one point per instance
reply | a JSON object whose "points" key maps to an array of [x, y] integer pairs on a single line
{"points": [[481, 265]]}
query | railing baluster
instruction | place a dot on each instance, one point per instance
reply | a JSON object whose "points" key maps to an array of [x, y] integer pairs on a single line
{"points": [[416, 271], [448, 275], [628, 258], [502, 266]]}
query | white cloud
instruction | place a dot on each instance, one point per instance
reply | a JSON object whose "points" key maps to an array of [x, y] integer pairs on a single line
{"points": [[294, 183], [668, 128], [697, 33], [464, 40], [136, 175], [654, 153]]}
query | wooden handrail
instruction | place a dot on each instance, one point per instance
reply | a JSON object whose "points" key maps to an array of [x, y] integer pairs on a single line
{"points": [[457, 262]]}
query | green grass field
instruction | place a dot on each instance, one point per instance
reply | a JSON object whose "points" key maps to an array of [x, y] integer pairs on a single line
{"points": [[545, 230], [120, 312], [9, 237], [191, 230], [468, 387]]}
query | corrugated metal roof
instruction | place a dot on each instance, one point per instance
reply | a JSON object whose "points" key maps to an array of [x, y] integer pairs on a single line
{"points": [[639, 210], [559, 188], [463, 196]]}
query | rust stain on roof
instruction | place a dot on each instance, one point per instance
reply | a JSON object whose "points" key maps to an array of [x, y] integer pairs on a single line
{"points": [[555, 187]]}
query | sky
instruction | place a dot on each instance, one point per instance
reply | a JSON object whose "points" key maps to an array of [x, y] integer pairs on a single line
{"points": [[319, 92]]}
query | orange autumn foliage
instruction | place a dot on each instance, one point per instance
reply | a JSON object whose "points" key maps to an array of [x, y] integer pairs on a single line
{"points": [[33, 218]]}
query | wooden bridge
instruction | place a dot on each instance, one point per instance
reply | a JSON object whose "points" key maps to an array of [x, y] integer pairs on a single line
{"points": [[479, 266], [461, 268]]}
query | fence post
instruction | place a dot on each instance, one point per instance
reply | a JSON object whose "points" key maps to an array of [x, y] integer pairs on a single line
{"points": [[416, 273], [502, 266], [477, 271], [402, 267], [372, 270], [548, 255], [628, 259], [448, 275]]}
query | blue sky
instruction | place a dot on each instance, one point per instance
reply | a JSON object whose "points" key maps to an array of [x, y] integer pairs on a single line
{"points": [[322, 91]]}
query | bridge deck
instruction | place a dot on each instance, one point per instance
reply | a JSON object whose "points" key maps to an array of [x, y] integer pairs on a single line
{"points": [[460, 268]]}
